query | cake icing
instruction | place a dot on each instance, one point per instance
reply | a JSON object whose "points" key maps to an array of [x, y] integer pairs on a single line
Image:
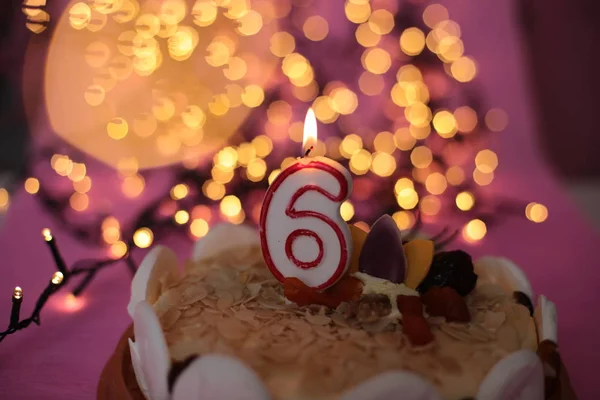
{"points": [[227, 303]]}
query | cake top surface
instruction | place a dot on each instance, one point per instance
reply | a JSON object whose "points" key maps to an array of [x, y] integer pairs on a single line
{"points": [[231, 304]]}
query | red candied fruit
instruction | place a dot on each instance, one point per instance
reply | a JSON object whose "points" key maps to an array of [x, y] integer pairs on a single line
{"points": [[446, 302], [409, 305], [348, 289], [417, 330]]}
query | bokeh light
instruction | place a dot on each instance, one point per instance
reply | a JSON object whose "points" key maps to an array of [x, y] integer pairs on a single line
{"points": [[143, 238], [465, 201], [474, 230], [536, 212]]}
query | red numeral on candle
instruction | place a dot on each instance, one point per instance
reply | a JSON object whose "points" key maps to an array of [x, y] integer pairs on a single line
{"points": [[282, 224]]}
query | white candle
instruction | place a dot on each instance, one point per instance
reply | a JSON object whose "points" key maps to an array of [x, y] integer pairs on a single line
{"points": [[302, 232]]}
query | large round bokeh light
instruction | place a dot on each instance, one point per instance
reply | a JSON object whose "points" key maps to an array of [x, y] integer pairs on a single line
{"points": [[159, 81]]}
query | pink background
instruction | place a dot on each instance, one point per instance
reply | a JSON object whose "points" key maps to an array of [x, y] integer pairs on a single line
{"points": [[63, 358]]}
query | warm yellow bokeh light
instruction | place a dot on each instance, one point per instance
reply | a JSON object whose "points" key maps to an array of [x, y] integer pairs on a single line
{"points": [[463, 69], [79, 15], [360, 162], [474, 231], [407, 198], [351, 144], [383, 164], [436, 183], [482, 178], [4, 199], [204, 12], [143, 238], [236, 69], [403, 183], [418, 114], [279, 112], [412, 41], [371, 84], [376, 60], [132, 186], [384, 142], [365, 36], [262, 145], [496, 120], [455, 175], [466, 119], [282, 44], [118, 249], [246, 153], [117, 128], [357, 12], [199, 227], [181, 217], [256, 170], [315, 28], [445, 124], [404, 140], [430, 205], [94, 95], [536, 212], [486, 161], [465, 201], [250, 23], [421, 157], [343, 100], [347, 210], [83, 186], [404, 219], [434, 14], [77, 172], [381, 21], [253, 96], [79, 201], [179, 191], [230, 206], [32, 185], [227, 157], [213, 190]]}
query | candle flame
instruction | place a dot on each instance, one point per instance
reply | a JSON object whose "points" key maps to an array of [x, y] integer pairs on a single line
{"points": [[309, 138]]}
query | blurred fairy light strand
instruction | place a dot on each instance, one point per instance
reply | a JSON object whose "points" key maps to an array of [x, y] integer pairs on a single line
{"points": [[423, 152]]}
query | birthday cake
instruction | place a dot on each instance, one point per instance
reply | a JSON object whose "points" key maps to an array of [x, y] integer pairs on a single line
{"points": [[406, 321]]}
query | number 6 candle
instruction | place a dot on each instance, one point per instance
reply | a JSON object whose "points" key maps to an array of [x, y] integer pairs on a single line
{"points": [[301, 230]]}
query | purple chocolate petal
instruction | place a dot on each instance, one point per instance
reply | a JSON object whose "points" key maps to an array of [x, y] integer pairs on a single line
{"points": [[382, 255]]}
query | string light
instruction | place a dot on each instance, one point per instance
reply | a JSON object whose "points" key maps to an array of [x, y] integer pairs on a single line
{"points": [[143, 238], [32, 185], [57, 278]]}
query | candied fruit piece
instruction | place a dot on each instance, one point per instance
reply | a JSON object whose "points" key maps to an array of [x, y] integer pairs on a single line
{"points": [[417, 330]]}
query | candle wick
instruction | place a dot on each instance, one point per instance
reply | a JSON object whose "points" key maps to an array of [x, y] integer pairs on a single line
{"points": [[308, 151]]}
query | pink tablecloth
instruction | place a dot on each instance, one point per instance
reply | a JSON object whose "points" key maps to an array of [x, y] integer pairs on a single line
{"points": [[63, 358]]}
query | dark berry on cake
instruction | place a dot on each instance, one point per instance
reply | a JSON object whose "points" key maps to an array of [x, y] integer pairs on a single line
{"points": [[453, 269]]}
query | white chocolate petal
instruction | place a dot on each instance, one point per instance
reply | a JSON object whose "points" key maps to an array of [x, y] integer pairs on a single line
{"points": [[216, 377], [519, 376], [224, 237], [159, 263], [152, 349], [546, 320], [504, 273], [394, 385], [137, 369]]}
